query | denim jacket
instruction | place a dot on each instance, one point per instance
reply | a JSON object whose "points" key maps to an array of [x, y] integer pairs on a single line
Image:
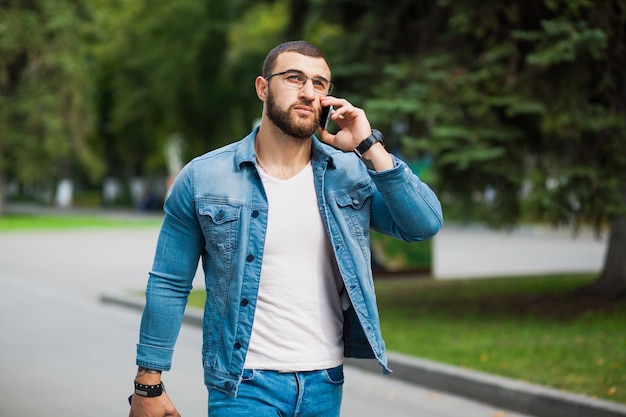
{"points": [[217, 211]]}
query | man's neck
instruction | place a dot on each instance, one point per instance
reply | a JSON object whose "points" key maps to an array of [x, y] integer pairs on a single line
{"points": [[281, 155]]}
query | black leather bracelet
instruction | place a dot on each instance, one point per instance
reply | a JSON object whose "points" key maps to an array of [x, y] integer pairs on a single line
{"points": [[149, 391]]}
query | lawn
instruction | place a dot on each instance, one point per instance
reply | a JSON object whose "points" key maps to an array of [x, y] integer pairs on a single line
{"points": [[20, 222], [535, 329]]}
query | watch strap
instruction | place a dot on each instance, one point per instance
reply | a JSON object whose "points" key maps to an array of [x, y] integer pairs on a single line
{"points": [[375, 137]]}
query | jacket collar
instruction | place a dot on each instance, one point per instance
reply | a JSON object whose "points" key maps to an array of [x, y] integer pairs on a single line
{"points": [[245, 152]]}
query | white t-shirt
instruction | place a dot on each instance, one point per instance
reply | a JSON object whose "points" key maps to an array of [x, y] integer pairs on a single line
{"points": [[298, 322]]}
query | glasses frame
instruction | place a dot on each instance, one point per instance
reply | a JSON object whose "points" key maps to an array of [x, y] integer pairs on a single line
{"points": [[331, 86]]}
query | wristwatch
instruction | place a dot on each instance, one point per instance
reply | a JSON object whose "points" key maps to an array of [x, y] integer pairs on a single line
{"points": [[368, 142]]}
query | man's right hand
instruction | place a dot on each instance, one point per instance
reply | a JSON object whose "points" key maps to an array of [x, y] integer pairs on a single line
{"points": [[160, 406]]}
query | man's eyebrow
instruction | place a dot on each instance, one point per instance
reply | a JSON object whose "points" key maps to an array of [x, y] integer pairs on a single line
{"points": [[318, 77]]}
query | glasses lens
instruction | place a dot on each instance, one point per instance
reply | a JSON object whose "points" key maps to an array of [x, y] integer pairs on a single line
{"points": [[294, 79], [298, 80]]}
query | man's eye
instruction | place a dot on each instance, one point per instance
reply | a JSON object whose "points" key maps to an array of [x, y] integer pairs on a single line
{"points": [[295, 77], [319, 83]]}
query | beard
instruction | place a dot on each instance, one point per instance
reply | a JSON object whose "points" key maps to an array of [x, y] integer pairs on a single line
{"points": [[300, 128]]}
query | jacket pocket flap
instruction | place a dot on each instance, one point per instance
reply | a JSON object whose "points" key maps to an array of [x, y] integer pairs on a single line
{"points": [[220, 213], [355, 198]]}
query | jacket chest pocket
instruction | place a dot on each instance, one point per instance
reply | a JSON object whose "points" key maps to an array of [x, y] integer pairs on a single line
{"points": [[355, 208], [220, 225]]}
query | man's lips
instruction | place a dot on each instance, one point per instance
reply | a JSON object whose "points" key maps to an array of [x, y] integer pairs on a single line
{"points": [[304, 109]]}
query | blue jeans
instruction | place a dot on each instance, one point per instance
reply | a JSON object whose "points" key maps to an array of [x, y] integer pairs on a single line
{"points": [[273, 394]]}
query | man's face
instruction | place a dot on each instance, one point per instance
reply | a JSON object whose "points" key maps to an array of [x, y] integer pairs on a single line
{"points": [[296, 111]]}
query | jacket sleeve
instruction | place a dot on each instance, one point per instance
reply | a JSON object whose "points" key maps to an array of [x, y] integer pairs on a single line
{"points": [[404, 206], [178, 250]]}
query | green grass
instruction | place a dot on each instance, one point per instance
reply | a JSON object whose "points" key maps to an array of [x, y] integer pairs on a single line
{"points": [[536, 329], [529, 328], [21, 222]]}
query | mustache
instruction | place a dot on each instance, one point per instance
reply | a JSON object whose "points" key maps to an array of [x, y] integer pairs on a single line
{"points": [[308, 103]]}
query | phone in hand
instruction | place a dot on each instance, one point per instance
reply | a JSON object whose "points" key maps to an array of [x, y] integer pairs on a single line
{"points": [[325, 117]]}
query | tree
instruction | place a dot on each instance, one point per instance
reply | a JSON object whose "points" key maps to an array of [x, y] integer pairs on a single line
{"points": [[147, 81], [522, 114], [45, 122], [162, 71]]}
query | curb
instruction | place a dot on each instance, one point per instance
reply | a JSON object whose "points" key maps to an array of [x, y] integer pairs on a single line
{"points": [[517, 396]]}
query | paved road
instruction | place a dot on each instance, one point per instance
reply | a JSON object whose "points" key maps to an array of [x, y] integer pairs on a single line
{"points": [[62, 353]]}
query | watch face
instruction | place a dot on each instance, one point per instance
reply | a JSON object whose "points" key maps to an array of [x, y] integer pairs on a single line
{"points": [[378, 137]]}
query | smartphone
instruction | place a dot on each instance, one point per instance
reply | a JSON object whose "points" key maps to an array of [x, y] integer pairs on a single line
{"points": [[325, 116]]}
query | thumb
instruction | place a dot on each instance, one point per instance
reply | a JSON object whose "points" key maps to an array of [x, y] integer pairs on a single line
{"points": [[326, 136]]}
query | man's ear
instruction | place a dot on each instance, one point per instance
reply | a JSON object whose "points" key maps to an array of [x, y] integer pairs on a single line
{"points": [[261, 85]]}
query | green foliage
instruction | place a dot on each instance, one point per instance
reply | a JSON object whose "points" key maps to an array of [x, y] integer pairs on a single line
{"points": [[45, 91], [395, 255], [184, 68], [522, 113], [257, 31], [158, 64], [561, 41], [518, 105]]}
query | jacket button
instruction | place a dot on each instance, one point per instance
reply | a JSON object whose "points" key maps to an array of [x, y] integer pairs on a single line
{"points": [[244, 302], [227, 385], [255, 214], [237, 345], [250, 258]]}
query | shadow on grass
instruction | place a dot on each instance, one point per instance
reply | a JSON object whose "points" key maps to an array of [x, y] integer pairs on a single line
{"points": [[555, 298]]}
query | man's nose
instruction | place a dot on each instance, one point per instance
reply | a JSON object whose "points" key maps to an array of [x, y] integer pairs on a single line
{"points": [[307, 89]]}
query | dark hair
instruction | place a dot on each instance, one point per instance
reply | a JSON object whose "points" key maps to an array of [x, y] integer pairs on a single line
{"points": [[301, 47]]}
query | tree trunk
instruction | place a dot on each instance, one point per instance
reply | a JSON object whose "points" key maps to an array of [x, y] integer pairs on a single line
{"points": [[298, 14], [612, 281]]}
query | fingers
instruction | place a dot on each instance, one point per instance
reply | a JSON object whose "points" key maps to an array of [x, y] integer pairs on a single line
{"points": [[349, 118], [327, 137], [343, 110], [160, 406]]}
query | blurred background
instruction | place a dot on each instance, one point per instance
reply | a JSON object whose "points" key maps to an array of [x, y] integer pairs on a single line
{"points": [[513, 111]]}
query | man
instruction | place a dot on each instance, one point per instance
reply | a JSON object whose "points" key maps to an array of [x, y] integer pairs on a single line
{"points": [[281, 222]]}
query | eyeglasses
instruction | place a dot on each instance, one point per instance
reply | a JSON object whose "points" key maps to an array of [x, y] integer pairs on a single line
{"points": [[296, 79]]}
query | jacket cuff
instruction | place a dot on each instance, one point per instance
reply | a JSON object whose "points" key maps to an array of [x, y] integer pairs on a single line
{"points": [[391, 179], [153, 357]]}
